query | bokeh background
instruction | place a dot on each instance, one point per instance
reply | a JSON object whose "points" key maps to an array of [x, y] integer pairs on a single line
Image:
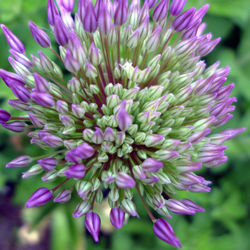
{"points": [[224, 226]]}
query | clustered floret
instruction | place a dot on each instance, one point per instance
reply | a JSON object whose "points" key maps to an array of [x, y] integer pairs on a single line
{"points": [[129, 106]]}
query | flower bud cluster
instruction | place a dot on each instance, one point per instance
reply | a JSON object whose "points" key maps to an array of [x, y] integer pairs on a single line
{"points": [[127, 106]]}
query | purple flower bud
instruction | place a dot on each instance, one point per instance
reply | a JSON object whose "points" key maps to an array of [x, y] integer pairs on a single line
{"points": [[48, 164], [42, 85], [71, 64], [124, 119], [90, 20], [39, 35], [192, 32], [208, 47], [82, 7], [199, 136], [52, 12], [15, 126], [12, 40], [117, 217], [104, 19], [192, 205], [21, 161], [40, 197], [151, 165], [77, 110], [75, 171], [67, 120], [20, 92], [53, 141], [21, 58], [4, 116], [223, 120], [43, 133], [97, 136], [151, 179], [165, 232], [35, 120], [182, 22], [109, 134], [161, 11], [177, 7], [63, 197], [10, 78], [79, 153], [19, 105], [93, 224], [61, 32], [67, 4], [123, 180], [200, 14], [199, 188], [188, 179], [121, 12], [98, 7], [153, 140], [61, 106], [43, 99], [191, 166]]}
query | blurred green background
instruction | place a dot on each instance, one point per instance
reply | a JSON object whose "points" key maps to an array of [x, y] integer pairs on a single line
{"points": [[224, 226]]}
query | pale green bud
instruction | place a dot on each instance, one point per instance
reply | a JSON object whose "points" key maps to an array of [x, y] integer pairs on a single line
{"points": [[33, 171]]}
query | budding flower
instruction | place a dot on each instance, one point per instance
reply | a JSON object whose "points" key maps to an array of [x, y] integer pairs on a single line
{"points": [[93, 224], [48, 164], [75, 171], [151, 165], [52, 12], [177, 7], [12, 40], [124, 119], [42, 98], [123, 180], [90, 19], [15, 126], [39, 35], [183, 21], [61, 32], [40, 197], [63, 197], [164, 231], [117, 217], [4, 116], [21, 161], [161, 11]]}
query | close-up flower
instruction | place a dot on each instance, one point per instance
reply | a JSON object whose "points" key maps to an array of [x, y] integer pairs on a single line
{"points": [[128, 110]]}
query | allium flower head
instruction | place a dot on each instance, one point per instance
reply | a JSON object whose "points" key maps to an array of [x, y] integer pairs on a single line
{"points": [[128, 106]]}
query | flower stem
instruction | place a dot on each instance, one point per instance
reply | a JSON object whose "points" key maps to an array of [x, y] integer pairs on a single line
{"points": [[55, 188]]}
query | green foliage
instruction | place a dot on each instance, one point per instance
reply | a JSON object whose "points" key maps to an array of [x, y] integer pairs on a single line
{"points": [[225, 224]]}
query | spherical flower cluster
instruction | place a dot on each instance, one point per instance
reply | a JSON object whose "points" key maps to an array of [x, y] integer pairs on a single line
{"points": [[129, 106]]}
